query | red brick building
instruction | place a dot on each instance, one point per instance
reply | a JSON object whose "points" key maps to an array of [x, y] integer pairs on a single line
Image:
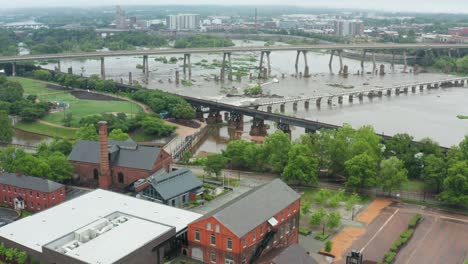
{"points": [[30, 193], [248, 227], [107, 163]]}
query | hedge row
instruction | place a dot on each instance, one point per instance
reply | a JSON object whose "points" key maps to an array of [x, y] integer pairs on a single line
{"points": [[405, 236]]}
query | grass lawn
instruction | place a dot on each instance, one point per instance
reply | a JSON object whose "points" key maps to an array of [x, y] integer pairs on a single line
{"points": [[36, 127], [78, 108], [413, 185]]}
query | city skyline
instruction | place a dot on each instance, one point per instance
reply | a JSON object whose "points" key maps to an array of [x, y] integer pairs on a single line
{"points": [[449, 6]]}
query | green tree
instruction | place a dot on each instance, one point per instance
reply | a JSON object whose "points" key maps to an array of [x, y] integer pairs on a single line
{"points": [[32, 166], [214, 163], [87, 132], [118, 134], [318, 218], [276, 148], [10, 91], [401, 146], [6, 129], [67, 119], [9, 157], [60, 168], [302, 165], [456, 184], [434, 172], [21, 257], [183, 111], [362, 171], [333, 220], [392, 174]]}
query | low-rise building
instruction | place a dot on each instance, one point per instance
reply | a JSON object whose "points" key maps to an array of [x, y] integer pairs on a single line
{"points": [[175, 188], [101, 227], [30, 193], [118, 164], [247, 227]]}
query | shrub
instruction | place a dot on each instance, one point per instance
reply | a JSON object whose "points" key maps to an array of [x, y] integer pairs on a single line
{"points": [[322, 196], [304, 231], [334, 201], [322, 236], [414, 221], [328, 246], [389, 257], [352, 200]]}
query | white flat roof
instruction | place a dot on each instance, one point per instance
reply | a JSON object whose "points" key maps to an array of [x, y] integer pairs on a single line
{"points": [[44, 227]]}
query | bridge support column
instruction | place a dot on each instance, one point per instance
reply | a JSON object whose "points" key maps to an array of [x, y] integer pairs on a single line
{"points": [[199, 114], [13, 69], [223, 68], [70, 70], [177, 77], [58, 66], [230, 67], [306, 105], [379, 93], [285, 128], [268, 63], [236, 121], [413, 89], [341, 61], [330, 64], [397, 91], [296, 65], [361, 97], [103, 69], [269, 109], [306, 65], [405, 90], [146, 68], [389, 92], [214, 117], [421, 87], [364, 52], [436, 85], [282, 107], [345, 70], [340, 99], [130, 80], [350, 98], [318, 101], [330, 100], [393, 60], [374, 65], [260, 67], [382, 69], [295, 106], [226, 116], [189, 62], [258, 128], [405, 61], [462, 83], [456, 84]]}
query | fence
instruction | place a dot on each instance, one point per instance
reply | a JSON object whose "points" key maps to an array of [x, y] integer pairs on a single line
{"points": [[186, 145]]}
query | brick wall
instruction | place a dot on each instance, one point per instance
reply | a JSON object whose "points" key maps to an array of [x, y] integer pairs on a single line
{"points": [[33, 200]]}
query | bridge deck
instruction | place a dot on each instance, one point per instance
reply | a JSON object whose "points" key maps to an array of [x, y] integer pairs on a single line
{"points": [[372, 46]]}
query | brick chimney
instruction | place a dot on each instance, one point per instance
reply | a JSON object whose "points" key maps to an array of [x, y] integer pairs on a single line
{"points": [[105, 179]]}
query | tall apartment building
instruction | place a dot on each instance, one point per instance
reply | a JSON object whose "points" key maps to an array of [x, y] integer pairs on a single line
{"points": [[183, 22], [120, 20], [348, 28]]}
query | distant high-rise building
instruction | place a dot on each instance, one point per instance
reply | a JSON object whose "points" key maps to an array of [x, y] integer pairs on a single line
{"points": [[348, 28], [183, 22], [120, 21]]}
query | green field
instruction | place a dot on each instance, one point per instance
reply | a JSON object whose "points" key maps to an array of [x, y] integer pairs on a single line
{"points": [[42, 129], [78, 108]]}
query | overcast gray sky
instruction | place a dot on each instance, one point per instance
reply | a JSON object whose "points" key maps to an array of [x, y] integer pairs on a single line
{"points": [[452, 6]]}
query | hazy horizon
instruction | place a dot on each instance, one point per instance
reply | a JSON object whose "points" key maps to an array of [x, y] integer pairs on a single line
{"points": [[420, 6]]}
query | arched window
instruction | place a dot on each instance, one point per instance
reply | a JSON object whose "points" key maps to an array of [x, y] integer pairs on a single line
{"points": [[121, 177], [96, 174]]}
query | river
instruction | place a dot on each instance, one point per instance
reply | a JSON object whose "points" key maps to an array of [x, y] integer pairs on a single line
{"points": [[427, 114]]}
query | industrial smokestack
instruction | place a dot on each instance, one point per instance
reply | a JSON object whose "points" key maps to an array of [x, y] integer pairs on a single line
{"points": [[105, 179]]}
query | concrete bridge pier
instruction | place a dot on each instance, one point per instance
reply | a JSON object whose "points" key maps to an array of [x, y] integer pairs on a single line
{"points": [[462, 83], [374, 65], [436, 85], [103, 69], [268, 63], [230, 67], [397, 91], [341, 61], [223, 68], [405, 62], [214, 117], [130, 80], [330, 100], [282, 107], [226, 116], [413, 89], [389, 92], [70, 70], [361, 97], [393, 60], [318, 101], [345, 70], [236, 121], [330, 63], [306, 105], [340, 99], [405, 90], [250, 76], [269, 108], [379, 93], [421, 87], [13, 69], [258, 128], [295, 106], [146, 68], [350, 98], [59, 68], [260, 67], [306, 65], [364, 52], [282, 76], [177, 77], [456, 84], [199, 114], [285, 128], [296, 65], [382, 69]]}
